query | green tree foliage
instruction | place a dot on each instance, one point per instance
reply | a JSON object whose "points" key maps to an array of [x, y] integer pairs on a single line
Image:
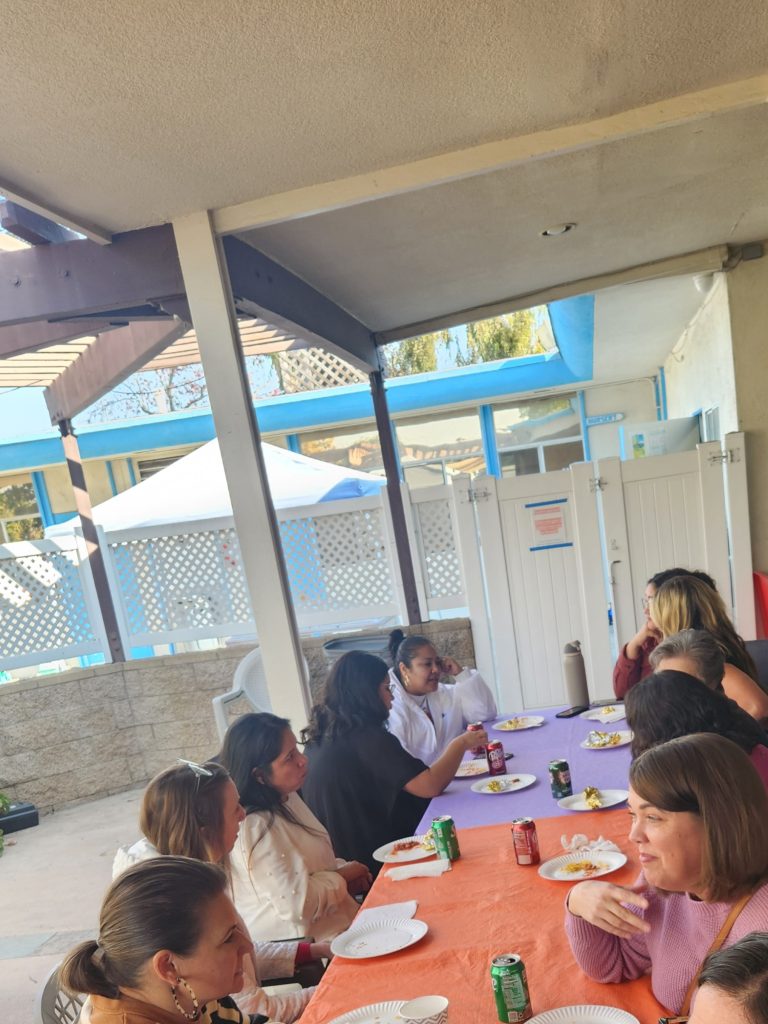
{"points": [[500, 337], [414, 355]]}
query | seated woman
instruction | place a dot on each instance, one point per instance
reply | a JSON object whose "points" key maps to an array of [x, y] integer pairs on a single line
{"points": [[686, 603], [192, 810], [670, 704], [427, 714], [286, 878], [699, 819], [170, 945], [633, 663], [693, 651], [733, 984], [362, 784]]}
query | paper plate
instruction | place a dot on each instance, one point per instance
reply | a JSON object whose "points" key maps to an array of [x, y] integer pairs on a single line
{"points": [[516, 723], [581, 1015], [625, 737], [610, 798], [510, 783], [378, 938], [385, 854], [605, 861], [469, 769], [376, 1013], [612, 713]]}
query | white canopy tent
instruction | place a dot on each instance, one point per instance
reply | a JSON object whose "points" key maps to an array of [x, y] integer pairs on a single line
{"points": [[194, 488]]}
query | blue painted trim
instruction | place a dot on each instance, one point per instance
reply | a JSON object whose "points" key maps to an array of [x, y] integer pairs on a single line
{"points": [[131, 472], [663, 385], [657, 397], [488, 435], [548, 547], [111, 477], [622, 444], [62, 517], [42, 499], [584, 427], [541, 504], [293, 442]]}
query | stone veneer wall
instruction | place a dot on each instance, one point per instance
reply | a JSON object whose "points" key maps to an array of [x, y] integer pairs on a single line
{"points": [[88, 733]]}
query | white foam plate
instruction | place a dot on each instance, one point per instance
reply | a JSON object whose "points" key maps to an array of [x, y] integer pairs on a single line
{"points": [[385, 855], [582, 1015], [469, 769], [606, 860], [625, 734], [511, 783], [610, 798], [378, 938], [521, 722], [376, 1013], [616, 713]]}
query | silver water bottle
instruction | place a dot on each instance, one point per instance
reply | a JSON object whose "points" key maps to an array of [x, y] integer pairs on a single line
{"points": [[575, 675]]}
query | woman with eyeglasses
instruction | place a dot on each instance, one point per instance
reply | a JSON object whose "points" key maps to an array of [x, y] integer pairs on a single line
{"points": [[286, 878], [170, 946], [633, 664], [362, 784], [193, 810], [426, 713]]}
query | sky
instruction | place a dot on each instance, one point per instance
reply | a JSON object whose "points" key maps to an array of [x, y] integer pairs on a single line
{"points": [[23, 413]]}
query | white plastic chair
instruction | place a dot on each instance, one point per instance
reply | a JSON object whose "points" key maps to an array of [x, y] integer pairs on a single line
{"points": [[249, 681], [53, 1005]]}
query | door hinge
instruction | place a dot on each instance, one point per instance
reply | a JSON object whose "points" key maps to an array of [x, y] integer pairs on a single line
{"points": [[476, 494], [596, 483], [721, 457]]}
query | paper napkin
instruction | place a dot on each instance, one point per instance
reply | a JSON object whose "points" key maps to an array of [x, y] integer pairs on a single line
{"points": [[427, 869]]}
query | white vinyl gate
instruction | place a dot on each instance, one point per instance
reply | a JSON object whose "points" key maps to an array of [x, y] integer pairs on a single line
{"points": [[559, 549]]}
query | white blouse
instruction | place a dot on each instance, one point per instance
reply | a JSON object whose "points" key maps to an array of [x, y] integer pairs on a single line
{"points": [[451, 709], [284, 879]]}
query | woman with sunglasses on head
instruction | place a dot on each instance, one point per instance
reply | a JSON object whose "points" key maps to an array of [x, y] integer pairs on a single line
{"points": [[426, 713], [192, 810], [633, 662], [171, 947], [362, 784], [699, 820], [286, 878]]}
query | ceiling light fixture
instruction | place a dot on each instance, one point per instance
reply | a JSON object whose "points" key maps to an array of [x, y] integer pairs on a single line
{"points": [[557, 229]]}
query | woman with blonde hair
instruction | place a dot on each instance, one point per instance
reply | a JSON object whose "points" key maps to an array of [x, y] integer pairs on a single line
{"points": [[193, 810], [699, 820], [171, 946], [686, 603]]}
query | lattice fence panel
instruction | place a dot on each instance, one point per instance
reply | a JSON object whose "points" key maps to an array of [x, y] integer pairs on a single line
{"points": [[43, 606], [339, 561], [442, 567], [311, 368], [183, 581]]}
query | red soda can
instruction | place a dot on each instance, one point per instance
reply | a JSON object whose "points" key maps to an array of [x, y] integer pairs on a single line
{"points": [[476, 751], [497, 763], [525, 840]]}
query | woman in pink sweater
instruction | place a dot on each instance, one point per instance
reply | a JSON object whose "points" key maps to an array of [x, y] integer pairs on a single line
{"points": [[699, 815]]}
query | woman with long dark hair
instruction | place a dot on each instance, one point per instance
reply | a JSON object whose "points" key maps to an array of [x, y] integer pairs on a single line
{"points": [[286, 878], [365, 788]]}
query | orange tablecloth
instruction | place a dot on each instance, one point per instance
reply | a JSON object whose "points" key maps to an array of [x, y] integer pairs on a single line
{"points": [[486, 905]]}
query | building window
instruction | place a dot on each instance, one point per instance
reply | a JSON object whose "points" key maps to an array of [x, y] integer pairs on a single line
{"points": [[538, 436], [147, 467], [353, 449], [19, 515], [433, 449]]}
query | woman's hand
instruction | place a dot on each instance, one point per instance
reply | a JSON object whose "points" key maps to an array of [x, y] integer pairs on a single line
{"points": [[320, 950], [357, 876], [477, 738], [450, 667], [635, 645], [600, 903]]}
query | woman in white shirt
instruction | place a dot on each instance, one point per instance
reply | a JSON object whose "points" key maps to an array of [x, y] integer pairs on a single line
{"points": [[427, 714], [286, 879]]}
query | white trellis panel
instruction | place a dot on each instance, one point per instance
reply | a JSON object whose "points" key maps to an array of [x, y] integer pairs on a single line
{"points": [[47, 606], [436, 543]]}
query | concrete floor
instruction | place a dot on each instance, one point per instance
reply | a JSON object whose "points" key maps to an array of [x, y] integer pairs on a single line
{"points": [[52, 880]]}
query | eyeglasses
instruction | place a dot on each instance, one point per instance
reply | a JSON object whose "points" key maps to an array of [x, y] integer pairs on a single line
{"points": [[198, 769], [647, 601]]}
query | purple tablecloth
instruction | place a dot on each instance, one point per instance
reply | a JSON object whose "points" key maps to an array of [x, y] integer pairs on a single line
{"points": [[533, 749]]}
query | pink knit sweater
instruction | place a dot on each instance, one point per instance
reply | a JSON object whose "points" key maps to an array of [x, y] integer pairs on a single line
{"points": [[682, 930]]}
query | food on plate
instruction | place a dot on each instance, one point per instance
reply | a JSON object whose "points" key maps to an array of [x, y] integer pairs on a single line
{"points": [[467, 768], [607, 711], [494, 786], [597, 738], [428, 843], [582, 867], [512, 723], [592, 797], [403, 845]]}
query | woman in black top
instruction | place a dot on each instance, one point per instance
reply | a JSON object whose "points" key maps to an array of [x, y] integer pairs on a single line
{"points": [[362, 785]]}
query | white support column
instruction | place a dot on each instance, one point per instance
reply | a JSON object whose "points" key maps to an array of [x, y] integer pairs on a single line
{"points": [[213, 315], [712, 491], [737, 505], [617, 549]]}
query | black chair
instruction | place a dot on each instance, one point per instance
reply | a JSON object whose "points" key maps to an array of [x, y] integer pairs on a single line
{"points": [[758, 649]]}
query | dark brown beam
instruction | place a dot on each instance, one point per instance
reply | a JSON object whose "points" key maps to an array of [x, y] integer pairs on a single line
{"points": [[399, 526], [91, 539], [31, 226], [52, 282]]}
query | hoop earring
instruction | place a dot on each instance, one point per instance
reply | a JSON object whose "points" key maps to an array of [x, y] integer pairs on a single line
{"points": [[195, 1012]]}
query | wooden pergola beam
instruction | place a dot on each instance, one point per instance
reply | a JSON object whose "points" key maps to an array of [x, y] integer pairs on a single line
{"points": [[29, 337], [31, 226]]}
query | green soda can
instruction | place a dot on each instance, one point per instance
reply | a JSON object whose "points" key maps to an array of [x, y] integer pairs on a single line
{"points": [[560, 778], [446, 841], [510, 989]]}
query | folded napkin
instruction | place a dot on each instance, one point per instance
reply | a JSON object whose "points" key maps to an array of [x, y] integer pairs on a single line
{"points": [[426, 869], [580, 844], [396, 911]]}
